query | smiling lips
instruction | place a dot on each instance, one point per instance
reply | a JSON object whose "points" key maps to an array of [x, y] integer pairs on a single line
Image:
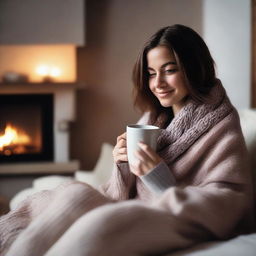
{"points": [[164, 94]]}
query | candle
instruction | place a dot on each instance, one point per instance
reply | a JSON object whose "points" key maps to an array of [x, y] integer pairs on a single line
{"points": [[48, 73]]}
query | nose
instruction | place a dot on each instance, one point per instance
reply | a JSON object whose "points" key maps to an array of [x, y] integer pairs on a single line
{"points": [[159, 81]]}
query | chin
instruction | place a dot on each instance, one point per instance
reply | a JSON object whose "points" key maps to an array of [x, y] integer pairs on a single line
{"points": [[166, 104]]}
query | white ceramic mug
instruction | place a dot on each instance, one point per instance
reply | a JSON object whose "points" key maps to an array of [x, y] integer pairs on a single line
{"points": [[140, 133]]}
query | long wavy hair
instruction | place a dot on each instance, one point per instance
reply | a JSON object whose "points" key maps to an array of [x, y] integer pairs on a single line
{"points": [[196, 63]]}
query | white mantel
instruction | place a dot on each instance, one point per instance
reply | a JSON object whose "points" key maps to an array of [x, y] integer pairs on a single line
{"points": [[64, 113]]}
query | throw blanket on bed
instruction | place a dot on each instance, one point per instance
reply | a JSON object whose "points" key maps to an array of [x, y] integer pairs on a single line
{"points": [[212, 198]]}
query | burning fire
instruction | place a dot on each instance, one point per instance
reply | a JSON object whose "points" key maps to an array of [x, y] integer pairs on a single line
{"points": [[13, 140]]}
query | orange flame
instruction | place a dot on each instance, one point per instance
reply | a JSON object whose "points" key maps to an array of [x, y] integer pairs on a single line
{"points": [[13, 136]]}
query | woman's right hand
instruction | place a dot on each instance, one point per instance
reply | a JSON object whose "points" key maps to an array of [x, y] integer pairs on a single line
{"points": [[120, 150]]}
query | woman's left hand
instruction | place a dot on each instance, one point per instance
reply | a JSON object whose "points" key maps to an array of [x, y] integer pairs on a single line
{"points": [[147, 160]]}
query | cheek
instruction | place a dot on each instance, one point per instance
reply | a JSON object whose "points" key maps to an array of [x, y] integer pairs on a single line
{"points": [[151, 85], [184, 92], [179, 83], [175, 80]]}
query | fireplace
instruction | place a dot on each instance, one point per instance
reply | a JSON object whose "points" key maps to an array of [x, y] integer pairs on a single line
{"points": [[26, 128], [43, 112]]}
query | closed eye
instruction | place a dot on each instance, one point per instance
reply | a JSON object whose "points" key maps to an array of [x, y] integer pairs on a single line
{"points": [[151, 74], [170, 71]]}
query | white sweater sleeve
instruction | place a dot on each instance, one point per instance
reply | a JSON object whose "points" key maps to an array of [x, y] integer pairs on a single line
{"points": [[159, 178]]}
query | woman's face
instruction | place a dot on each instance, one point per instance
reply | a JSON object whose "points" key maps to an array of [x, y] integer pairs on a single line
{"points": [[166, 79]]}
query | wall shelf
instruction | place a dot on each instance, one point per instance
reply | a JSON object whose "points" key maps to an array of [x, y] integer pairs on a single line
{"points": [[38, 87], [39, 168]]}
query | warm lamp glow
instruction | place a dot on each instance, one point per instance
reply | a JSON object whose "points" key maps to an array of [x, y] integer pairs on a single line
{"points": [[42, 70], [41, 63], [48, 72], [55, 72]]}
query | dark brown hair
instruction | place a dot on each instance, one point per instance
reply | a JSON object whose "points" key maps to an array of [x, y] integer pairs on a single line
{"points": [[195, 61]]}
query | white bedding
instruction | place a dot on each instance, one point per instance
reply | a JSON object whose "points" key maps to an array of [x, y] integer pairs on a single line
{"points": [[244, 245]]}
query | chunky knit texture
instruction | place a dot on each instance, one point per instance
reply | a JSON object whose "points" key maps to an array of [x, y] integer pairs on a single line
{"points": [[192, 122], [212, 198]]}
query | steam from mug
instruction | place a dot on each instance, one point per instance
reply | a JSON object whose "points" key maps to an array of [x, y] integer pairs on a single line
{"points": [[140, 133]]}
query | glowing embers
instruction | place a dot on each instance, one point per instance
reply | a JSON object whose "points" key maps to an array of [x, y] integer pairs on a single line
{"points": [[14, 140]]}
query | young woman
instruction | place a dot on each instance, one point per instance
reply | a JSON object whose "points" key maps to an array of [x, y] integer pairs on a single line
{"points": [[195, 187]]}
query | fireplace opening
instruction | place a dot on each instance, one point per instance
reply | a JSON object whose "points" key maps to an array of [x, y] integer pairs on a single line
{"points": [[26, 128]]}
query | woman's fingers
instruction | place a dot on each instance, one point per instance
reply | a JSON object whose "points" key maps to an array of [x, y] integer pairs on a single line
{"points": [[147, 160], [120, 151], [119, 157], [147, 157], [121, 146], [136, 170], [143, 157], [121, 137], [148, 151], [122, 158], [121, 143]]}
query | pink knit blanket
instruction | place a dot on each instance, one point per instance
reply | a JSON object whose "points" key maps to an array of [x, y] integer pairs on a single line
{"points": [[212, 199]]}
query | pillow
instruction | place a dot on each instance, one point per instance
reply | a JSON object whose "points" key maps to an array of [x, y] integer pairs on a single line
{"points": [[102, 170], [41, 183], [248, 125]]}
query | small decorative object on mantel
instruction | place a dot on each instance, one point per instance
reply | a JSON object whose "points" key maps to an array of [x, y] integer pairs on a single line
{"points": [[48, 73], [14, 77]]}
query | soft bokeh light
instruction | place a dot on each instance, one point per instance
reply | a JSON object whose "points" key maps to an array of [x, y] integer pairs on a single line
{"points": [[42, 70], [55, 72], [48, 72]]}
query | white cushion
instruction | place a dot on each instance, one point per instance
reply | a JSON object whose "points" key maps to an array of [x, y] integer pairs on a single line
{"points": [[50, 182], [248, 125], [241, 245], [102, 170]]}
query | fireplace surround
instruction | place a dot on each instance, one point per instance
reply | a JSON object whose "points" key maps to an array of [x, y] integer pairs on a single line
{"points": [[55, 144]]}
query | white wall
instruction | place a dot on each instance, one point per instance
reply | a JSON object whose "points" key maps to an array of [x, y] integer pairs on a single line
{"points": [[42, 22], [227, 32]]}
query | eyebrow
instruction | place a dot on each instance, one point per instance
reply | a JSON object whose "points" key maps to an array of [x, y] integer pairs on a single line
{"points": [[165, 64]]}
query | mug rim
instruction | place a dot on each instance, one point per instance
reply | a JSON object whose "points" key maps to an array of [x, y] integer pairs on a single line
{"points": [[142, 126]]}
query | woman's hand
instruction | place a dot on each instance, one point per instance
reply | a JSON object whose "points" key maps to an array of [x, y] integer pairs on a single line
{"points": [[120, 151], [147, 160]]}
